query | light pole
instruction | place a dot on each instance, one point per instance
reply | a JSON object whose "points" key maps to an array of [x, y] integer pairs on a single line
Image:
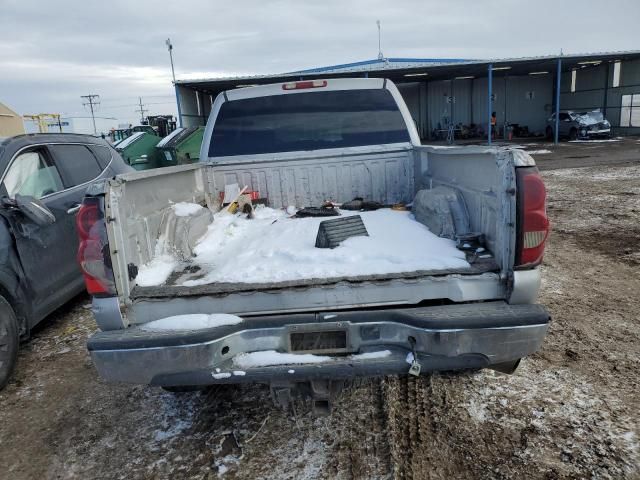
{"points": [[173, 75], [380, 55]]}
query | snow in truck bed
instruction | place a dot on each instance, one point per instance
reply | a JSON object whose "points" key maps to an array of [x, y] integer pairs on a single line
{"points": [[272, 247]]}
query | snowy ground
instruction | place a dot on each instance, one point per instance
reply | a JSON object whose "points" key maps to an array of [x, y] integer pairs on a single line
{"points": [[569, 412]]}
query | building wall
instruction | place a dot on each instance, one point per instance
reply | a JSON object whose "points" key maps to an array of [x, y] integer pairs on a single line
{"points": [[10, 122], [525, 100], [591, 85]]}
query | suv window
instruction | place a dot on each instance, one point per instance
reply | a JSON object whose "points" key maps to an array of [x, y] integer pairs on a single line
{"points": [[307, 121], [31, 173], [103, 154], [76, 163]]}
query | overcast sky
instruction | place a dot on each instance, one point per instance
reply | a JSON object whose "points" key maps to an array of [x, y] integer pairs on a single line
{"points": [[53, 52]]}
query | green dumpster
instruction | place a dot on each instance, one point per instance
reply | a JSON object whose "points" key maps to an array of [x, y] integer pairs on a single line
{"points": [[181, 146], [139, 150]]}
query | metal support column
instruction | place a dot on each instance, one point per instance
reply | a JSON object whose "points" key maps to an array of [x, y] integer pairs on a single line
{"points": [[557, 127], [489, 102], [179, 107]]}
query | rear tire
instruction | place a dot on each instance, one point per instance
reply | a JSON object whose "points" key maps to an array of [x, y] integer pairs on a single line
{"points": [[9, 341]]}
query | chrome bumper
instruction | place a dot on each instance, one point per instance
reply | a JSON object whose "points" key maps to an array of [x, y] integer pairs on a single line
{"points": [[451, 337]]}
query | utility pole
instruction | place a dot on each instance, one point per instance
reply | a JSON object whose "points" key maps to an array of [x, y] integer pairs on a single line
{"points": [[142, 110], [92, 100], [173, 75], [380, 55]]}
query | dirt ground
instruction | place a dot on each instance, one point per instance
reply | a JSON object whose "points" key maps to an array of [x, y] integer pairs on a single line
{"points": [[569, 411]]}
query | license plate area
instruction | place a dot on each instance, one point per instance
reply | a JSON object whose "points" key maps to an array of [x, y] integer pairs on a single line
{"points": [[314, 339]]}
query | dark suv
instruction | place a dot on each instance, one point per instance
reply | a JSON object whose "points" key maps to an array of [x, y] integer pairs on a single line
{"points": [[43, 178]]}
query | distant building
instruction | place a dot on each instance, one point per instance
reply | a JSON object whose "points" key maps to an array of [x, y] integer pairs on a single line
{"points": [[10, 122], [443, 92]]}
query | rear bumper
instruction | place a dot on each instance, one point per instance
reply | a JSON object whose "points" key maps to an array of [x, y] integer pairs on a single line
{"points": [[452, 337]]}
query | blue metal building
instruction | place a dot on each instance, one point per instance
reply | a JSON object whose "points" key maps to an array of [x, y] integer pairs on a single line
{"points": [[441, 92]]}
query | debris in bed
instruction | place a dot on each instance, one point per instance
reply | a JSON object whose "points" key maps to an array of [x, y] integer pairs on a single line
{"points": [[196, 321], [361, 205], [332, 233], [327, 210], [471, 242], [247, 209]]}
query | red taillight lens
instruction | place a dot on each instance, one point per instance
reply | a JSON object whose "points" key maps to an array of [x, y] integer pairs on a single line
{"points": [[304, 84], [87, 216], [532, 223], [93, 251]]}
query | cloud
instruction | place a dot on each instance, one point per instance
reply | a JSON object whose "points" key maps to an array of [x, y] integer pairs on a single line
{"points": [[53, 52]]}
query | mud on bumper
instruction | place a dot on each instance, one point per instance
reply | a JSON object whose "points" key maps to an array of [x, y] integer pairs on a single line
{"points": [[451, 337]]}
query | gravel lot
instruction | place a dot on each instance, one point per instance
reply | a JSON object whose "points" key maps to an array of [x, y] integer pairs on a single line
{"points": [[570, 411]]}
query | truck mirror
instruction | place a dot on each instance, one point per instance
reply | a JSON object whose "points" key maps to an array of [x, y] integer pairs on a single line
{"points": [[34, 210]]}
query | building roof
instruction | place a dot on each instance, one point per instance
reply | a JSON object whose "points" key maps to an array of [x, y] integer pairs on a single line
{"points": [[431, 68], [382, 63]]}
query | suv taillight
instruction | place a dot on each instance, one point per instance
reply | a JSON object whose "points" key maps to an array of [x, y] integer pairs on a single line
{"points": [[532, 222], [93, 251]]}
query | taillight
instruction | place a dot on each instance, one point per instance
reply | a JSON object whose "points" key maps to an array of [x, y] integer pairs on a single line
{"points": [[304, 84], [532, 222], [93, 251]]}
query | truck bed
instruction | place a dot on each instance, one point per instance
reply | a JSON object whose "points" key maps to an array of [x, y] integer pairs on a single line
{"points": [[139, 204], [274, 246]]}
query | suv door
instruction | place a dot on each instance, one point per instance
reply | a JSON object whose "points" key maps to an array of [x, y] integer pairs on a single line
{"points": [[564, 124], [44, 251], [78, 167]]}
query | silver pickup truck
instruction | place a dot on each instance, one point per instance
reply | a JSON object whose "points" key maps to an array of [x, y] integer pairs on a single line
{"points": [[179, 304]]}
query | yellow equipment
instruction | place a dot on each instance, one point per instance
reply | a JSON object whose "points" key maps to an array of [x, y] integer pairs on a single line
{"points": [[41, 120]]}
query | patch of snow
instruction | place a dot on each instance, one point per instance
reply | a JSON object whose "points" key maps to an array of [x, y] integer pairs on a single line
{"points": [[196, 321], [291, 371], [544, 151], [157, 271], [261, 250], [186, 209], [239, 373], [218, 376], [371, 355], [477, 410], [271, 357], [291, 210], [596, 140]]}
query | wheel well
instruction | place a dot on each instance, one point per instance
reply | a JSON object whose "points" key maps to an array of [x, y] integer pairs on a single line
{"points": [[18, 308]]}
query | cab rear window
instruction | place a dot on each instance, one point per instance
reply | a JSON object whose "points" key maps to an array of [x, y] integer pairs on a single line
{"points": [[307, 121]]}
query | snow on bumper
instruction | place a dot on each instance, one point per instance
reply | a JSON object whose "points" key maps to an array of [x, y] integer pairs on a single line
{"points": [[451, 337]]}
